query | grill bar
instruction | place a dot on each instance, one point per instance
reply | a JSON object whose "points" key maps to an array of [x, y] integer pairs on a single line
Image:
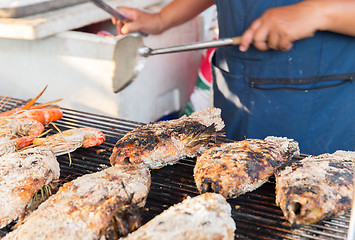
{"points": [[255, 213]]}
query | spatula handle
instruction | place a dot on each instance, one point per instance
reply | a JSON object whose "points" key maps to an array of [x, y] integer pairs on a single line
{"points": [[236, 40], [193, 46]]}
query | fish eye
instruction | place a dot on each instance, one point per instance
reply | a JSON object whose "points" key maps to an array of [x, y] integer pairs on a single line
{"points": [[207, 187], [296, 207], [126, 160]]}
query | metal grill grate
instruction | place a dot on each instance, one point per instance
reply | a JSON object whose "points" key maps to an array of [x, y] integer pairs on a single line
{"points": [[255, 213]]}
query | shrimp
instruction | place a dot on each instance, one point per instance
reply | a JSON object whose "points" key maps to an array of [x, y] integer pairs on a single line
{"points": [[11, 145], [44, 115], [70, 140], [29, 105], [14, 128]]}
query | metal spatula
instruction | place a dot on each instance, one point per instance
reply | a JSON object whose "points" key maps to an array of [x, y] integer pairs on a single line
{"points": [[132, 55], [131, 52]]}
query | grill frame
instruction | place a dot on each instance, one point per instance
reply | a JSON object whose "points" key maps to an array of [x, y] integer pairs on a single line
{"points": [[255, 213]]}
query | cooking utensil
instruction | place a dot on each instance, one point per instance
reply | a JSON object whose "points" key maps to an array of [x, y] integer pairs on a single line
{"points": [[127, 67], [128, 62], [146, 51], [131, 52], [114, 12], [131, 55]]}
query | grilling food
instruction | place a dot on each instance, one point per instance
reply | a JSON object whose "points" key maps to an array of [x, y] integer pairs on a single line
{"points": [[207, 216], [232, 169], [22, 174], [90, 206], [12, 145], [70, 140], [13, 128], [316, 187], [30, 105], [158, 144], [43, 115]]}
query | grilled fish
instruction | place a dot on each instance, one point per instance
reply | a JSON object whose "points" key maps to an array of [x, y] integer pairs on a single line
{"points": [[207, 216], [316, 187], [86, 207], [22, 174], [232, 169], [158, 144]]}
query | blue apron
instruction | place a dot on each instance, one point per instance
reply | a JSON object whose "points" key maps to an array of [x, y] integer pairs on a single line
{"points": [[306, 94]]}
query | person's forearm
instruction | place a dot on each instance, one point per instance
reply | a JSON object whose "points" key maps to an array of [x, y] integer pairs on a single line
{"points": [[180, 11], [338, 15]]}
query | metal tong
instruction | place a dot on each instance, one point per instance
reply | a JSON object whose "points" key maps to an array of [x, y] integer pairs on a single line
{"points": [[107, 8]]}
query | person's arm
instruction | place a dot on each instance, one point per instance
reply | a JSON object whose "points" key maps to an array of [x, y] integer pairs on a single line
{"points": [[173, 14], [279, 27]]}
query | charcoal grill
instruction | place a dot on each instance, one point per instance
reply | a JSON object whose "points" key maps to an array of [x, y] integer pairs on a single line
{"points": [[255, 213]]}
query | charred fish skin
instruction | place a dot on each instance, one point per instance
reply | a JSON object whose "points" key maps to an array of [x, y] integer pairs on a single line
{"points": [[158, 144], [316, 188], [232, 169], [206, 216], [22, 174], [85, 207]]}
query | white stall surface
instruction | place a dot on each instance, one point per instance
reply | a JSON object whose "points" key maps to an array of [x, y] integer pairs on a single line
{"points": [[22, 8], [62, 19]]}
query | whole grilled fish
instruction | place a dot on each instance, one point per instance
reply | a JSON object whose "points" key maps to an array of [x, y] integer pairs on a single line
{"points": [[232, 169], [22, 175], [165, 142], [206, 216], [316, 187], [90, 207]]}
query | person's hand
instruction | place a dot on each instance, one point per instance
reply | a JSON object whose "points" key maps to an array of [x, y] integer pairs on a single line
{"points": [[279, 27], [149, 23]]}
